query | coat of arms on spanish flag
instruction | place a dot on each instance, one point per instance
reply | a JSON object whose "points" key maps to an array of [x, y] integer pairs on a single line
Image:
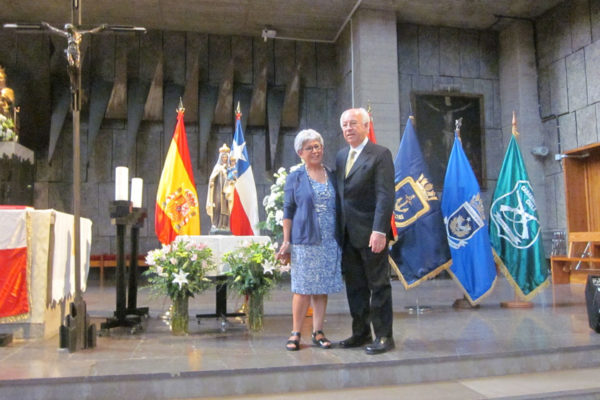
{"points": [[177, 210]]}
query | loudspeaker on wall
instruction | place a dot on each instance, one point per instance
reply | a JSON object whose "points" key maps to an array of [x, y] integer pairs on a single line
{"points": [[592, 299]]}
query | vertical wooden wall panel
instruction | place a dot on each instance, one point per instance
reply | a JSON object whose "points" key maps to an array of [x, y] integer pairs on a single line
{"points": [[241, 49], [103, 72], [285, 61], [326, 65], [60, 93], [151, 68], [224, 107], [306, 59], [192, 67], [263, 55], [219, 56], [174, 47], [117, 105], [33, 53]]}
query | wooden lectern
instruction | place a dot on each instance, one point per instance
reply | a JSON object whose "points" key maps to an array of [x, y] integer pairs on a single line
{"points": [[581, 168]]}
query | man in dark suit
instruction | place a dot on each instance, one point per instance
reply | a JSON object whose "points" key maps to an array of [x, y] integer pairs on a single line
{"points": [[365, 180]]}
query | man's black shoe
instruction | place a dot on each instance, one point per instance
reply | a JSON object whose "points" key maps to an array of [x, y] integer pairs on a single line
{"points": [[355, 341], [380, 345]]}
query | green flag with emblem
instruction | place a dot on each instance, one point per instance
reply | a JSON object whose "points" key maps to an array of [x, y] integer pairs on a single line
{"points": [[515, 230]]}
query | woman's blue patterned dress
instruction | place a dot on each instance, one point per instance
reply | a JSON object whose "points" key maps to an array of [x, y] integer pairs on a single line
{"points": [[316, 269]]}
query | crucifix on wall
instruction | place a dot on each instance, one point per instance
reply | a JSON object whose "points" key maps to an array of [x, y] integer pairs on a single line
{"points": [[76, 333]]}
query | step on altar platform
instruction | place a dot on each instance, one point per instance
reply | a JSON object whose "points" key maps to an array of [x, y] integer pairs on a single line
{"points": [[434, 342]]}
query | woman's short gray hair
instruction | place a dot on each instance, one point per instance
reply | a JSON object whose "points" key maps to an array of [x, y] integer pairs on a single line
{"points": [[306, 135]]}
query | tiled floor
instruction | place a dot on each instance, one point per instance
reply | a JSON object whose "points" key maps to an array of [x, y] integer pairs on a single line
{"points": [[441, 353]]}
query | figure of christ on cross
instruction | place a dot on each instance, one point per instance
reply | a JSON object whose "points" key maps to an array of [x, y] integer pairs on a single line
{"points": [[73, 51]]}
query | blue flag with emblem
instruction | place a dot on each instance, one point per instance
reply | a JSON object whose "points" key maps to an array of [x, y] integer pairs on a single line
{"points": [[473, 266], [421, 250], [515, 230]]}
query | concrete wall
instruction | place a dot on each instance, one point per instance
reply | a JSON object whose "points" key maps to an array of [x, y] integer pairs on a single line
{"points": [[446, 60], [519, 94], [429, 59], [568, 54], [53, 183]]}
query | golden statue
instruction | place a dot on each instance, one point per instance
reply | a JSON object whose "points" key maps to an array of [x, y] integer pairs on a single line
{"points": [[217, 203]]}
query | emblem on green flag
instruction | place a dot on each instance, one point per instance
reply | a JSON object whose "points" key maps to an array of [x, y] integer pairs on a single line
{"points": [[515, 231]]}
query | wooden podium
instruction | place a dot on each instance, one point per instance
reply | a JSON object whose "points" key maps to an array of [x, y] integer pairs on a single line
{"points": [[582, 195]]}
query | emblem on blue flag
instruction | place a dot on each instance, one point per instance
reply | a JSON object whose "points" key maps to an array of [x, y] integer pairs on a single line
{"points": [[412, 200], [464, 222], [515, 216]]}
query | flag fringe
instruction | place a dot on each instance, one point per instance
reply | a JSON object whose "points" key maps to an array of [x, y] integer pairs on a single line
{"points": [[429, 275], [513, 283], [469, 299]]}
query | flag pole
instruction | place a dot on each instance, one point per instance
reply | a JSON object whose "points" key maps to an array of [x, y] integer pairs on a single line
{"points": [[463, 303], [517, 302]]}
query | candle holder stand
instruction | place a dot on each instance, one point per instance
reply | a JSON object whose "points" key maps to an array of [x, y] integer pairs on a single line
{"points": [[138, 217], [122, 214]]}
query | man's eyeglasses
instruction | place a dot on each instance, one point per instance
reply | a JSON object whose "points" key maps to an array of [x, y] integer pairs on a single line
{"points": [[316, 147]]}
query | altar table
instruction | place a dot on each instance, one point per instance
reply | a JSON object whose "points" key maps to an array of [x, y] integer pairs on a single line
{"points": [[50, 275], [221, 244]]}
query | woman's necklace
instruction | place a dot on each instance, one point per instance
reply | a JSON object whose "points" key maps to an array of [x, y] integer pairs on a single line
{"points": [[317, 174]]}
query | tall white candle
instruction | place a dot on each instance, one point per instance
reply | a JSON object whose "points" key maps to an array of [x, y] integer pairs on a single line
{"points": [[137, 185], [121, 183]]}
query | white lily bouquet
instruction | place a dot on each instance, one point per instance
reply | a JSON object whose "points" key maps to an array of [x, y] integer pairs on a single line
{"points": [[180, 268], [273, 204]]}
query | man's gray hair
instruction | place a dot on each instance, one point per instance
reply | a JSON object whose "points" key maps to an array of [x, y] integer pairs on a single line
{"points": [[306, 135], [364, 113]]}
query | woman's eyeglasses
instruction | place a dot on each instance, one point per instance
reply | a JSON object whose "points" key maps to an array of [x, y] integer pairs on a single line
{"points": [[316, 147]]}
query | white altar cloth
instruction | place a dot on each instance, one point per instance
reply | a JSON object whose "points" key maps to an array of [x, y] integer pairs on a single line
{"points": [[221, 244], [51, 278]]}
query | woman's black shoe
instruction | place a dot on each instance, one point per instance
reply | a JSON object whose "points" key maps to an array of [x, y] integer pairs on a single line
{"points": [[294, 342], [323, 342]]}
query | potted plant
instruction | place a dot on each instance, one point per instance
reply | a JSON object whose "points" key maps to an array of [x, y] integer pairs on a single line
{"points": [[252, 272], [179, 270]]}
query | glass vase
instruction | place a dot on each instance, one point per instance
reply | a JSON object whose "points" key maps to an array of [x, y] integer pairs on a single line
{"points": [[255, 312], [179, 316]]}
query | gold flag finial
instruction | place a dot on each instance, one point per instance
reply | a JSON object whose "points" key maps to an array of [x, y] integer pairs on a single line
{"points": [[369, 108], [238, 110], [514, 125], [180, 107]]}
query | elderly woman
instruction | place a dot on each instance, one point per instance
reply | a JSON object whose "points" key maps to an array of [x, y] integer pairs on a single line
{"points": [[310, 229]]}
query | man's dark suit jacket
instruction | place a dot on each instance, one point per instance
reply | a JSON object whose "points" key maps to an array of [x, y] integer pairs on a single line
{"points": [[367, 194]]}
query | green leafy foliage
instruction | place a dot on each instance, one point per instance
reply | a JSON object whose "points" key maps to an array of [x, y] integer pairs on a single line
{"points": [[253, 268]]}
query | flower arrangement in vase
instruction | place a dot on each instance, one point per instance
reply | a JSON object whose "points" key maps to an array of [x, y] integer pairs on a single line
{"points": [[253, 271], [179, 271]]}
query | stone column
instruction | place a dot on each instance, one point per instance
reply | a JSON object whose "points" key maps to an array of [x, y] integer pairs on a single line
{"points": [[375, 72], [519, 92]]}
